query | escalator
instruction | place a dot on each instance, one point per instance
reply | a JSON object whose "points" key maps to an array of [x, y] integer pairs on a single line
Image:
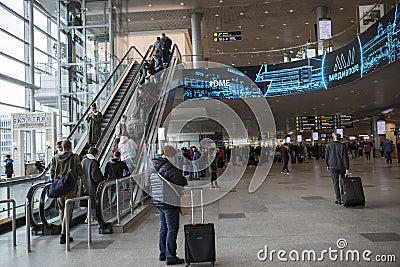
{"points": [[124, 197], [113, 99]]}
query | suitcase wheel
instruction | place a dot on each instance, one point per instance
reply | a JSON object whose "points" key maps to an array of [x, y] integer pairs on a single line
{"points": [[212, 263]]}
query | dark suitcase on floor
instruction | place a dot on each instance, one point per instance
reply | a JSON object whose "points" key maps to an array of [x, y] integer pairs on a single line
{"points": [[199, 238], [353, 193]]}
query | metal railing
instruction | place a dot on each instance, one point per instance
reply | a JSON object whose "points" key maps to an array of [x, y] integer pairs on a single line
{"points": [[89, 219], [13, 188], [14, 219], [28, 210]]}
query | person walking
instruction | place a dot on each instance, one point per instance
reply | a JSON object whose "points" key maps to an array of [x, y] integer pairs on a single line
{"points": [[367, 150], [94, 120], [285, 159], [91, 168], [61, 164], [387, 150], [337, 163], [167, 201], [9, 167]]}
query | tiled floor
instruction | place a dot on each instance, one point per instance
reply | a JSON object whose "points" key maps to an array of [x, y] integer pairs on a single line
{"points": [[292, 213]]}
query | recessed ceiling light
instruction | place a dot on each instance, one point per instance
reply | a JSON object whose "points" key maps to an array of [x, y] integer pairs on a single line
{"points": [[221, 1], [351, 91], [114, 7], [184, 17], [284, 24], [322, 104], [129, 20], [239, 27], [351, 21], [241, 13], [306, 23], [254, 48], [266, 12], [151, 18], [216, 15], [341, 8], [182, 4], [336, 98], [217, 28], [233, 64], [217, 50], [298, 36], [291, 11], [258, 38], [277, 37], [262, 25], [236, 49], [249, 63], [149, 5]]}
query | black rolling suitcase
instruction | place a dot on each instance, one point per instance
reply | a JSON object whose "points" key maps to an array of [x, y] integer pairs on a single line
{"points": [[353, 193], [199, 238]]}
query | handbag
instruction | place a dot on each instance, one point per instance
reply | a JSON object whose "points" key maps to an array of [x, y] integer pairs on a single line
{"points": [[63, 184]]}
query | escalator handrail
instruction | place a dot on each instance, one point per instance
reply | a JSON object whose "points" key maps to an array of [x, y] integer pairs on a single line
{"points": [[101, 91], [101, 141], [23, 179], [30, 195]]}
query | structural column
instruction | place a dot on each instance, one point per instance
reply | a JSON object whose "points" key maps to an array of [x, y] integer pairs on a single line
{"points": [[321, 12], [32, 75], [196, 38]]}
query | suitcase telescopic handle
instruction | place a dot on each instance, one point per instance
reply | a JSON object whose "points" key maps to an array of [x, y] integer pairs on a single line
{"points": [[201, 203]]}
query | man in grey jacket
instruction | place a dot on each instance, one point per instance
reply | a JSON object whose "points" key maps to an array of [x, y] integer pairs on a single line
{"points": [[337, 162]]}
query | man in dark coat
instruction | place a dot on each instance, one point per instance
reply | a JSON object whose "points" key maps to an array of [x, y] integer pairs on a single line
{"points": [[94, 120], [9, 168], [115, 168], [337, 163], [91, 168]]}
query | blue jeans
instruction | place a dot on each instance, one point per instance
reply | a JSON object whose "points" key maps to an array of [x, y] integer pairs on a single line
{"points": [[169, 227], [335, 179]]}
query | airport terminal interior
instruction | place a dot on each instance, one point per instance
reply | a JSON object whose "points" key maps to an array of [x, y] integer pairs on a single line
{"points": [[207, 133]]}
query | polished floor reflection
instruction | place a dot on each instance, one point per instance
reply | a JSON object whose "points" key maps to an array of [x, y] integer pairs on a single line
{"points": [[293, 212]]}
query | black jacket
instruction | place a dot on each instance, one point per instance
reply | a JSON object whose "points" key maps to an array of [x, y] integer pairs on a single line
{"points": [[163, 194], [115, 169], [336, 156], [93, 175]]}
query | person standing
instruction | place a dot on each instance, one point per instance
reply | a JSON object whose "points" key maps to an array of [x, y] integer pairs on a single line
{"points": [[121, 129], [337, 163], [94, 120], [115, 168], [9, 167], [213, 168], [398, 152], [387, 150], [91, 167], [167, 201], [166, 44], [285, 159], [61, 164]]}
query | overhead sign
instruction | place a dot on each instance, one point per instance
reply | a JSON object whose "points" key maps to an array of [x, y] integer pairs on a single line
{"points": [[325, 28], [34, 120], [227, 36], [309, 123]]}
